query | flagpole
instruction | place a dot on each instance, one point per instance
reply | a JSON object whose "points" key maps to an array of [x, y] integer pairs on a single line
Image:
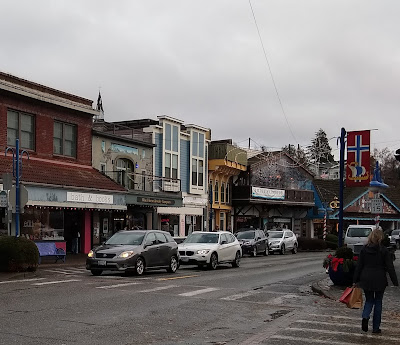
{"points": [[341, 187]]}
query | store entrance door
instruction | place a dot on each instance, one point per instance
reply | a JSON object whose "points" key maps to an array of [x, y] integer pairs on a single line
{"points": [[73, 230]]}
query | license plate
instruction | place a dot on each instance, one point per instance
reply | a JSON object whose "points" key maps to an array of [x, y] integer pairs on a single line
{"points": [[185, 259], [102, 263]]}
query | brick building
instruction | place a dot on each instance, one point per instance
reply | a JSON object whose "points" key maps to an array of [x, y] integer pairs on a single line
{"points": [[64, 190]]}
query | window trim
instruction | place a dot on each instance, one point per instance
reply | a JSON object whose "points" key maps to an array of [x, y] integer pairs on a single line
{"points": [[63, 139], [19, 130]]}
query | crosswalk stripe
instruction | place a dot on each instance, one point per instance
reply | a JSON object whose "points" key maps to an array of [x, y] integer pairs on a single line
{"points": [[197, 292], [20, 280], [240, 295], [57, 282], [159, 288], [116, 285], [323, 331], [358, 318], [358, 325], [311, 341], [63, 271], [179, 277]]}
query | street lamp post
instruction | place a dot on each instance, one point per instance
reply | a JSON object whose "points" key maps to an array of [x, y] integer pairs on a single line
{"points": [[17, 172]]}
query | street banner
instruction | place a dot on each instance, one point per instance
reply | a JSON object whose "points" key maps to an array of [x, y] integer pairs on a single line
{"points": [[358, 159]]}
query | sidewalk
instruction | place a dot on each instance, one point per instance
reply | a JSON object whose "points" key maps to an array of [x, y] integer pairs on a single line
{"points": [[71, 260], [391, 299]]}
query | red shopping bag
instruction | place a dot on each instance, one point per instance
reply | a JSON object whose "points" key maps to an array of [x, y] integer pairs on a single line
{"points": [[345, 298]]}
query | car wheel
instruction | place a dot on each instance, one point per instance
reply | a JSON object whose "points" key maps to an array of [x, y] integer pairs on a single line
{"points": [[254, 251], [173, 265], [96, 272], [266, 251], [213, 261], [236, 262], [282, 252], [294, 250], [139, 266]]}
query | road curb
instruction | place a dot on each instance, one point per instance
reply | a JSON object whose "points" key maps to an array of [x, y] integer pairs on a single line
{"points": [[317, 288]]}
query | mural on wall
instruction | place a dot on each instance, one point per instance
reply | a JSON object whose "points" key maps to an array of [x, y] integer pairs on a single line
{"points": [[278, 172]]}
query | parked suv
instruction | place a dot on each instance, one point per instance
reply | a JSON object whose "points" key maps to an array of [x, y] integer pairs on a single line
{"points": [[253, 242], [395, 238], [281, 241], [357, 235]]}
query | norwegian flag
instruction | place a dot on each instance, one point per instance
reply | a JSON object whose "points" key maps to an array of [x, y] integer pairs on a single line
{"points": [[358, 159]]}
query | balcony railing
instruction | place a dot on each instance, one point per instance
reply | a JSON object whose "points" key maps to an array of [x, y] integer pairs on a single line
{"points": [[143, 182]]}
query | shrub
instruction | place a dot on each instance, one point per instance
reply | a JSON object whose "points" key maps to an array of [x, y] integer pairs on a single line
{"points": [[18, 254], [332, 238], [331, 241], [307, 243]]}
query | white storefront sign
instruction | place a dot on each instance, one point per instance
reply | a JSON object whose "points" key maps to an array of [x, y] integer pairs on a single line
{"points": [[266, 193], [90, 198]]}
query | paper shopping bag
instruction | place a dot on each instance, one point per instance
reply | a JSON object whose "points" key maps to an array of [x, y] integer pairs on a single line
{"points": [[356, 300], [346, 295]]}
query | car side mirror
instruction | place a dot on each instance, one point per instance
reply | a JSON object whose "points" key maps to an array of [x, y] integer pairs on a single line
{"points": [[148, 244], [287, 236], [224, 242]]}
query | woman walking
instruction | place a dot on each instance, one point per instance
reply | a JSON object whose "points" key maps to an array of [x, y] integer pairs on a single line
{"points": [[373, 263]]}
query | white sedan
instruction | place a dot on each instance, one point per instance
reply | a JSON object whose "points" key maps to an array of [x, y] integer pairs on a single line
{"points": [[210, 248]]}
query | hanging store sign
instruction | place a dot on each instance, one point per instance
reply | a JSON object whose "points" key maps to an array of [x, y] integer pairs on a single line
{"points": [[358, 159], [90, 198], [266, 193]]}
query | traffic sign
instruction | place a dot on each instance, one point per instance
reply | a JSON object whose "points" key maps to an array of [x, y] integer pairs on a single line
{"points": [[23, 198], [376, 205], [3, 199]]}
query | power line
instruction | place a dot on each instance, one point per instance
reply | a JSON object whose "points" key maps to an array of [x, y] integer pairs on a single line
{"points": [[270, 72]]}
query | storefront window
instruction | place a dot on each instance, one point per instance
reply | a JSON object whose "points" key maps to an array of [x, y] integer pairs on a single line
{"points": [[170, 223], [42, 224]]}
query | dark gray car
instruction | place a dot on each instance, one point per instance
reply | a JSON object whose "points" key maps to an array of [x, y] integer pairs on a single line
{"points": [[253, 242], [135, 251]]}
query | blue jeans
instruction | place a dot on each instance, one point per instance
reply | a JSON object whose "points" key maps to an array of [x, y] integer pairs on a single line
{"points": [[373, 299]]}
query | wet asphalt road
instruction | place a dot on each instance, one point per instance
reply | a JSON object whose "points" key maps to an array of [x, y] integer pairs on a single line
{"points": [[267, 300]]}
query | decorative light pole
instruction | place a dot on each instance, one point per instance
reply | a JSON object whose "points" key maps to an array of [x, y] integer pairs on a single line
{"points": [[341, 187], [376, 186], [17, 172]]}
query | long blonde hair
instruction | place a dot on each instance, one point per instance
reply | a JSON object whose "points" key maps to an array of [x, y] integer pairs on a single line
{"points": [[375, 237]]}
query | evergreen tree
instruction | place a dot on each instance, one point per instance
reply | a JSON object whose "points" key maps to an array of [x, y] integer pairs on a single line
{"points": [[320, 151]]}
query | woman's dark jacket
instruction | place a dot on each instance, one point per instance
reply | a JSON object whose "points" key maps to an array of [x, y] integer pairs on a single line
{"points": [[373, 263]]}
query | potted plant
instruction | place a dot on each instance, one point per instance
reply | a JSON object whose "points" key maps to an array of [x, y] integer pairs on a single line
{"points": [[341, 266]]}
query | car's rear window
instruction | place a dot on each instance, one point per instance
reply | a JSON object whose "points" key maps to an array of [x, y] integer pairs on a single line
{"points": [[127, 238], [276, 234], [358, 232], [245, 235], [202, 238]]}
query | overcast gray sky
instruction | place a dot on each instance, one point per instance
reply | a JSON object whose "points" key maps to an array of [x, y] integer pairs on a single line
{"points": [[336, 63]]}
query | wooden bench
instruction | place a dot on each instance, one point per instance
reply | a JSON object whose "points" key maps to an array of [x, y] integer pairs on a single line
{"points": [[50, 249]]}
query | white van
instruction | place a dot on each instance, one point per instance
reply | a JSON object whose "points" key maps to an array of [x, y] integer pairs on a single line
{"points": [[357, 235]]}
